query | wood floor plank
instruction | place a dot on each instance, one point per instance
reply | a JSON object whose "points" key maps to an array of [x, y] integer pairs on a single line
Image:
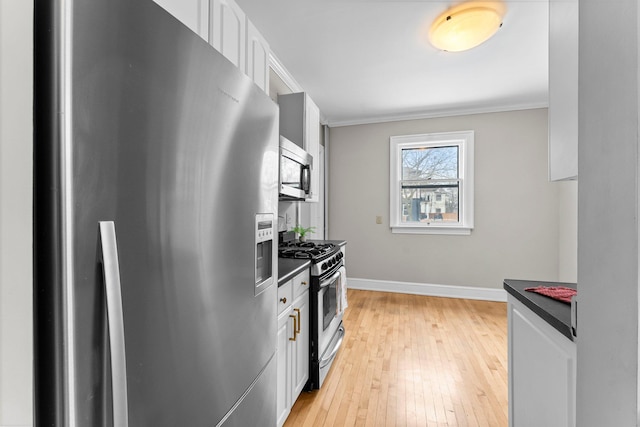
{"points": [[410, 360]]}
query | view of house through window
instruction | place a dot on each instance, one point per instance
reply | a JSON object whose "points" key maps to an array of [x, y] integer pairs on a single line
{"points": [[430, 184]]}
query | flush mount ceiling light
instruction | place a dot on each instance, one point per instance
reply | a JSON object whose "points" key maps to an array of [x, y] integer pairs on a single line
{"points": [[466, 25]]}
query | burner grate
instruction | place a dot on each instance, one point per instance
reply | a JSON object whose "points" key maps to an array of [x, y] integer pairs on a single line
{"points": [[305, 250]]}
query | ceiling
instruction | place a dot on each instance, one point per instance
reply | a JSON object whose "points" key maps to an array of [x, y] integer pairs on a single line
{"points": [[364, 61]]}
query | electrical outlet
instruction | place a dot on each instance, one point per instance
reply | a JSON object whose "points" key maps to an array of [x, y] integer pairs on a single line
{"points": [[378, 219], [287, 219]]}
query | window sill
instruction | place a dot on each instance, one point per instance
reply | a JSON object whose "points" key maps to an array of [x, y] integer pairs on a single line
{"points": [[433, 229]]}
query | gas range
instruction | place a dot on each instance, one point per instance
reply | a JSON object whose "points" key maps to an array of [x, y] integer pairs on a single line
{"points": [[324, 256], [326, 296], [305, 250]]}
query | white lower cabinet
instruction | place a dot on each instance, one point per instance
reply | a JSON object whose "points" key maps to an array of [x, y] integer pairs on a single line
{"points": [[293, 343], [542, 371]]}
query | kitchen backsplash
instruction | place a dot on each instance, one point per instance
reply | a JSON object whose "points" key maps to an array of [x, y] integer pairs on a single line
{"points": [[287, 215]]}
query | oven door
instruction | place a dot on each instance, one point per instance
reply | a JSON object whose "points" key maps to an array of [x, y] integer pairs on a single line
{"points": [[329, 318]]}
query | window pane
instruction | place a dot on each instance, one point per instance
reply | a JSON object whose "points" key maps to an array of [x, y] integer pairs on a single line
{"points": [[430, 163], [430, 203]]}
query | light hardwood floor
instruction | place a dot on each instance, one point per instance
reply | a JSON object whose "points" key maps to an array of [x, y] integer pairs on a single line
{"points": [[410, 360]]}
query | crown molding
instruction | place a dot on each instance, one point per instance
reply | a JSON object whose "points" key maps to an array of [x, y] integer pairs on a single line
{"points": [[276, 65], [437, 114], [281, 71]]}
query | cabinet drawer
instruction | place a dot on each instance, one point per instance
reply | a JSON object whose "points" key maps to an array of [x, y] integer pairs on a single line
{"points": [[301, 283], [285, 296]]}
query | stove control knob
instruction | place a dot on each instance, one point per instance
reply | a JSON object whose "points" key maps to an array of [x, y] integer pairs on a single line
{"points": [[324, 266]]}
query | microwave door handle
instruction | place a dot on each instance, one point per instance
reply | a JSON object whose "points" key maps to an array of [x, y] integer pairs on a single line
{"points": [[306, 178]]}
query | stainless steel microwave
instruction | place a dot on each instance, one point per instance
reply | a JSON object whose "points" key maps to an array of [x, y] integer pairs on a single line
{"points": [[295, 171]]}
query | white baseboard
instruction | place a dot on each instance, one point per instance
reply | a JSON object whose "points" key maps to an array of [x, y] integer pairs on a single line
{"points": [[466, 292]]}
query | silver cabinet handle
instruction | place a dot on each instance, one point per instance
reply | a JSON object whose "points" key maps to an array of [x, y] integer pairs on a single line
{"points": [[115, 320]]}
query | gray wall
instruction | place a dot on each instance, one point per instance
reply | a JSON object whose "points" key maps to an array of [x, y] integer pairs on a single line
{"points": [[16, 52], [607, 387], [517, 209], [567, 231]]}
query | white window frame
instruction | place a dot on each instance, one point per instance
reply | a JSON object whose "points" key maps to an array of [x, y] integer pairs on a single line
{"points": [[464, 140]]}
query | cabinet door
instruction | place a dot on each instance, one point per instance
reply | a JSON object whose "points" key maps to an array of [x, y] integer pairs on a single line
{"points": [[542, 372], [227, 30], [257, 57], [192, 13], [563, 89], [312, 144], [284, 358], [301, 346], [300, 284], [300, 123]]}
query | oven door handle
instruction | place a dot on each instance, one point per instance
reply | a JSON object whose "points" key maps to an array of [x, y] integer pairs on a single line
{"points": [[328, 281], [326, 360]]}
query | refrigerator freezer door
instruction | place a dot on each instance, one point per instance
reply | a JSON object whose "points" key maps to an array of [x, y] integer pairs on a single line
{"points": [[165, 137]]}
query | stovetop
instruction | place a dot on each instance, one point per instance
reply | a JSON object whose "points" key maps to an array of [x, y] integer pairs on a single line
{"points": [[306, 250]]}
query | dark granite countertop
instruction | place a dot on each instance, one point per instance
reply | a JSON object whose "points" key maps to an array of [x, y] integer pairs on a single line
{"points": [[289, 267], [555, 313]]}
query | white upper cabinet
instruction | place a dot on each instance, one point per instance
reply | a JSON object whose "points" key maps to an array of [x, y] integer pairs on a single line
{"points": [[226, 27], [227, 31], [563, 89], [192, 13], [257, 57], [312, 145], [300, 123]]}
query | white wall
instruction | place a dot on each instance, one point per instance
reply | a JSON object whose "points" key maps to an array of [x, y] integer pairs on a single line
{"points": [[607, 383], [16, 128], [516, 207], [567, 231]]}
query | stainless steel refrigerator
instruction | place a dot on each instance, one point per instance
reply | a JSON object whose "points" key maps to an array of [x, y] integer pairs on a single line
{"points": [[155, 206]]}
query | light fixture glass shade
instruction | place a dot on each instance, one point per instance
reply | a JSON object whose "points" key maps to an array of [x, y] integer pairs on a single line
{"points": [[467, 25]]}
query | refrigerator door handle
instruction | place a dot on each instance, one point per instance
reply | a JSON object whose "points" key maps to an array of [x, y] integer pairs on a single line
{"points": [[115, 320]]}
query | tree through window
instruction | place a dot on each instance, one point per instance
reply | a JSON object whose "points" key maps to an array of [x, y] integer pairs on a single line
{"points": [[430, 185], [432, 181]]}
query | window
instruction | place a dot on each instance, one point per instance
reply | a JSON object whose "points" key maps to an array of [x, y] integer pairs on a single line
{"points": [[432, 183]]}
